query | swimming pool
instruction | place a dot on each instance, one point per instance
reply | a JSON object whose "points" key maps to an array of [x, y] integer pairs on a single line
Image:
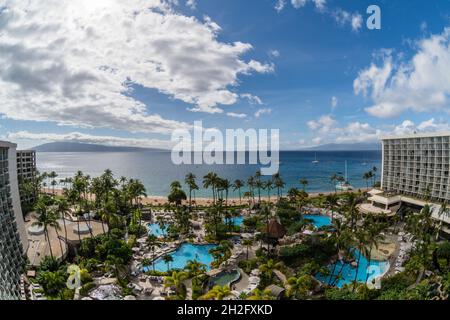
{"points": [[183, 254], [347, 272], [156, 230], [225, 278], [318, 221], [236, 221]]}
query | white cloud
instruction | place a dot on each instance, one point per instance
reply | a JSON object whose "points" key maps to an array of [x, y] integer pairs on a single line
{"points": [[87, 138], [262, 111], [251, 98], [237, 115], [191, 4], [279, 5], [343, 17], [324, 124], [328, 130], [319, 4], [334, 102], [274, 53], [74, 62], [421, 84]]}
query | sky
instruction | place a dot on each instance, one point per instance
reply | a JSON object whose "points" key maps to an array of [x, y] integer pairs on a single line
{"points": [[131, 72]]}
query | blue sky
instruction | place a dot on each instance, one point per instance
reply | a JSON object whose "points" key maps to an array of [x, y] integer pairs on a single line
{"points": [[311, 69]]}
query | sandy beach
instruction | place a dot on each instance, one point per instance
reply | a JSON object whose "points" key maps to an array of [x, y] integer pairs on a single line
{"points": [[201, 201]]}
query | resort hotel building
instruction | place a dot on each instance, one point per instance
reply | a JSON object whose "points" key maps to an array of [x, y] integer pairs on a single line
{"points": [[415, 172], [26, 173], [13, 237]]}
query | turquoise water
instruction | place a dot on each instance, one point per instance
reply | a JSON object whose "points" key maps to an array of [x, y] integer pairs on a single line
{"points": [[236, 221], [225, 278], [156, 230], [347, 273], [318, 221], [156, 170], [183, 254]]}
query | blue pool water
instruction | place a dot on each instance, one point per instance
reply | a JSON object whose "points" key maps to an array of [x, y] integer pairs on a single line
{"points": [[156, 230], [236, 221], [183, 254], [318, 221], [347, 272]]}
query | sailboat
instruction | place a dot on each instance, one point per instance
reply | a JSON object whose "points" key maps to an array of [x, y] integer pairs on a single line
{"points": [[344, 185], [316, 161]]}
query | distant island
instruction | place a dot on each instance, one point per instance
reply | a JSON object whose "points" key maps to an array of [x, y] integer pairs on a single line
{"points": [[87, 147], [346, 147]]}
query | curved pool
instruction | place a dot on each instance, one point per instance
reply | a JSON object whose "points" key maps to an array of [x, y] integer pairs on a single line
{"points": [[236, 221], [225, 278], [183, 254], [318, 221], [156, 230], [344, 273]]}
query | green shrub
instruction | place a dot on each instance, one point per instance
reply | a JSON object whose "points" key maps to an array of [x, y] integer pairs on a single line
{"points": [[86, 288]]}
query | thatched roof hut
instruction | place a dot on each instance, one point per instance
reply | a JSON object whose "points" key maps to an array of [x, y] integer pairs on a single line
{"points": [[276, 291], [275, 229]]}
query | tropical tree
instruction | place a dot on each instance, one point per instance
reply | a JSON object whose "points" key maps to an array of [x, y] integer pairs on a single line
{"points": [[175, 280], [261, 295], [167, 259], [152, 242], [237, 185], [46, 218], [269, 267], [217, 293], [300, 287], [192, 185], [177, 195], [304, 183], [247, 243], [210, 181]]}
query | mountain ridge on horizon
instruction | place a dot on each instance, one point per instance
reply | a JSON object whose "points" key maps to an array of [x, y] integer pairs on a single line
{"points": [[89, 147], [358, 146]]}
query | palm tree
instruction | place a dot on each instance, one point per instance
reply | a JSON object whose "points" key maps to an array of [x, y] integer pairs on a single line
{"points": [[268, 186], [304, 183], [258, 184], [53, 175], [63, 209], [195, 269], [374, 174], [247, 243], [152, 242], [116, 265], [444, 212], [176, 280], [373, 236], [46, 218], [366, 176], [192, 185], [217, 293], [261, 295], [331, 201], [167, 259], [269, 267], [237, 185], [361, 240], [299, 287], [251, 185], [279, 184], [211, 180]]}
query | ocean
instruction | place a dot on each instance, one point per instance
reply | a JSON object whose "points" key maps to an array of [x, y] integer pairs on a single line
{"points": [[156, 170]]}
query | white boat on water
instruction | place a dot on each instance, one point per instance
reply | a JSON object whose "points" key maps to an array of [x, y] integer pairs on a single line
{"points": [[315, 161], [344, 185]]}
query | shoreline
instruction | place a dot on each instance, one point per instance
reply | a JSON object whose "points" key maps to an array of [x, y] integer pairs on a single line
{"points": [[204, 201]]}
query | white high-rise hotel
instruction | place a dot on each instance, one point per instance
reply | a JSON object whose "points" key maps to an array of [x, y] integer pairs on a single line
{"points": [[13, 238], [418, 166]]}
